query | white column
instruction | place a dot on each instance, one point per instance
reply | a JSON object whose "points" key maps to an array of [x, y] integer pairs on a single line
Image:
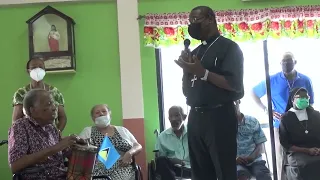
{"points": [[130, 71], [130, 59]]}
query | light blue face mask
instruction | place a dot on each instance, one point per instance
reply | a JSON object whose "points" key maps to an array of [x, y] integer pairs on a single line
{"points": [[103, 121]]}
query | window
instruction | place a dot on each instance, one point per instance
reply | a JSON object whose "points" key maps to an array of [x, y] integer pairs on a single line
{"points": [[172, 81], [172, 78], [254, 72]]}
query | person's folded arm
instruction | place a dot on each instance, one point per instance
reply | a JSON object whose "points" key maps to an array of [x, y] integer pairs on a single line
{"points": [[259, 139], [232, 68], [285, 138], [18, 148], [136, 149], [136, 146], [257, 151], [259, 91]]}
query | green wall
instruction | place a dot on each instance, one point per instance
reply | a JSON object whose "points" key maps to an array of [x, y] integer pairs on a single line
{"points": [[98, 69], [148, 57]]}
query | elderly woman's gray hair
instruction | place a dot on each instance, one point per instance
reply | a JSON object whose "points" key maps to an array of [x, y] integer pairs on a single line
{"points": [[94, 107], [32, 98]]}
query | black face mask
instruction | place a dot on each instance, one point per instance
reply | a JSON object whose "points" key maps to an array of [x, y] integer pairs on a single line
{"points": [[287, 67], [194, 30]]}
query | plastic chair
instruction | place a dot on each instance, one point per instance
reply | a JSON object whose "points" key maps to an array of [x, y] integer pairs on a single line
{"points": [[137, 169]]}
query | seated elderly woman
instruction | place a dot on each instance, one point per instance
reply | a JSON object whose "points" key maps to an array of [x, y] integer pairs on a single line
{"points": [[35, 142], [124, 142], [300, 136]]}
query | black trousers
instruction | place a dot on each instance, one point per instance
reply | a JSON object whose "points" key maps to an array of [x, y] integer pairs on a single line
{"points": [[168, 171], [212, 142]]}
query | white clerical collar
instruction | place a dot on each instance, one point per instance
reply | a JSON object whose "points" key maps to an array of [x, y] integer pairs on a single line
{"points": [[301, 114]]}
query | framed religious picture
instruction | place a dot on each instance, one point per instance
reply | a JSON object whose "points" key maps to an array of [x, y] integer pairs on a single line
{"points": [[51, 38]]}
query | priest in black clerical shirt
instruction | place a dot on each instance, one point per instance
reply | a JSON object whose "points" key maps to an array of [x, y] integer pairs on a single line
{"points": [[212, 81]]}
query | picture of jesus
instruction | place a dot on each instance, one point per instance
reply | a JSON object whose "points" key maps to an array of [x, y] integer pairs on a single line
{"points": [[53, 39], [50, 34]]}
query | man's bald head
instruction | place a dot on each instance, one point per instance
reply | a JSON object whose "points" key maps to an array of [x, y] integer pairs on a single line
{"points": [[288, 63], [177, 108], [288, 55], [205, 11]]}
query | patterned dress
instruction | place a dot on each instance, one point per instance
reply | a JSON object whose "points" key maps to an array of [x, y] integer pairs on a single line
{"points": [[117, 172], [56, 94]]}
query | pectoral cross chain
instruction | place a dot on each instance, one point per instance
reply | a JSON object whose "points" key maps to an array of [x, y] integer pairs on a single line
{"points": [[193, 80]]}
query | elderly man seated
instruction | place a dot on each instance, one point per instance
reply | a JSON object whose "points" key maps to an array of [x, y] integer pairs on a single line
{"points": [[35, 142], [173, 149], [250, 140]]}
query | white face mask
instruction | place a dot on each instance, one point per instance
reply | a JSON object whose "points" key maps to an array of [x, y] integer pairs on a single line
{"points": [[103, 121], [37, 74]]}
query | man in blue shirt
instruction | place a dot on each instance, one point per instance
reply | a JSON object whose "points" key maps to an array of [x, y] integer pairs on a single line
{"points": [[173, 148], [250, 146], [281, 84]]}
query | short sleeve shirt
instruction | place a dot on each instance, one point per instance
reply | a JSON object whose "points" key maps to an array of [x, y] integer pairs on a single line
{"points": [[171, 146], [55, 93], [250, 134], [280, 89], [26, 137]]}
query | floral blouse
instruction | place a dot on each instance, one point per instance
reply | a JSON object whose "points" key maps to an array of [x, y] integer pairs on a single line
{"points": [[56, 94]]}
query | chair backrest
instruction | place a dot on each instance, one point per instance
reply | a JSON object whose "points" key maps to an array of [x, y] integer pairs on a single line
{"points": [[137, 169], [3, 142], [156, 151]]}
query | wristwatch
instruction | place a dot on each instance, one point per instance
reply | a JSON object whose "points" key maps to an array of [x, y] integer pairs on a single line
{"points": [[205, 77]]}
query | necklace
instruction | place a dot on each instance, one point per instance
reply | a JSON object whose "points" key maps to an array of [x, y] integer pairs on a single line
{"points": [[305, 127], [205, 52], [290, 85]]}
